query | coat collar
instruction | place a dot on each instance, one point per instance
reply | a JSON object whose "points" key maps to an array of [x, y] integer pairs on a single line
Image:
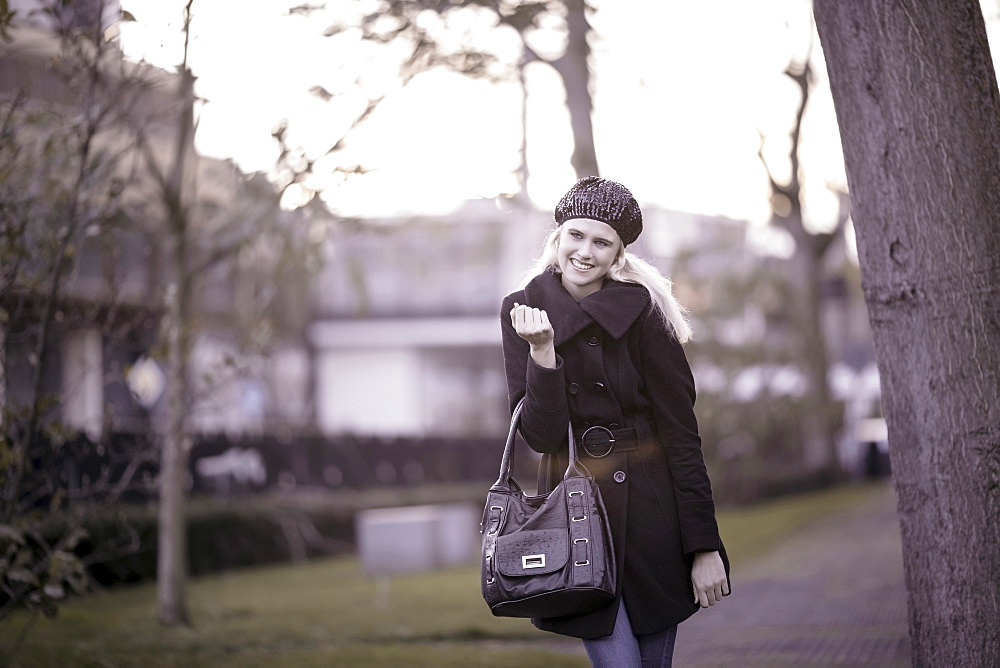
{"points": [[614, 307]]}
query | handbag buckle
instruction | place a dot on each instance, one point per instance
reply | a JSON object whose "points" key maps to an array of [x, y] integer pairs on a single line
{"points": [[611, 441], [533, 561], [496, 529]]}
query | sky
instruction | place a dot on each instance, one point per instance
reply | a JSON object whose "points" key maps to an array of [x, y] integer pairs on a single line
{"points": [[682, 91]]}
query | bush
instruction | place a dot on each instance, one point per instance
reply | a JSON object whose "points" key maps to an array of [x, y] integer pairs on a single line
{"points": [[120, 543]]}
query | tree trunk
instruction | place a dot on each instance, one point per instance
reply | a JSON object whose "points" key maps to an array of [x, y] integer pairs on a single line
{"points": [[919, 112], [819, 426], [574, 69], [171, 573], [171, 554], [820, 421]]}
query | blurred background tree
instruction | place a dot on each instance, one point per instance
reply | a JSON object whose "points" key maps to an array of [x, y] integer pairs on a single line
{"points": [[432, 34], [101, 167], [814, 277], [63, 195], [778, 322]]}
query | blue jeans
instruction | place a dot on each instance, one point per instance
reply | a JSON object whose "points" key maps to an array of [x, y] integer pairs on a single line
{"points": [[624, 649]]}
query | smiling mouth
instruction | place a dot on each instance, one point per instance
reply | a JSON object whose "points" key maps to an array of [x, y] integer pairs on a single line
{"points": [[582, 266]]}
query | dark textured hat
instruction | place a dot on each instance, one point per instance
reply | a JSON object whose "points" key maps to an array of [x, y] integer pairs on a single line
{"points": [[603, 200]]}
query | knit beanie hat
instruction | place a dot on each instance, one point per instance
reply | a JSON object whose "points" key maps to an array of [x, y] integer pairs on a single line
{"points": [[603, 200]]}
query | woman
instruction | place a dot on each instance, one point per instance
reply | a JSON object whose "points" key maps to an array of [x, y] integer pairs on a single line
{"points": [[594, 339]]}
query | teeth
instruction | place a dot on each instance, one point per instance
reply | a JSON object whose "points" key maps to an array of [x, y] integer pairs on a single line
{"points": [[581, 265]]}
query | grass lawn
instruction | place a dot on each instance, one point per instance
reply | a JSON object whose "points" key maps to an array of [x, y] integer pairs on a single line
{"points": [[328, 613]]}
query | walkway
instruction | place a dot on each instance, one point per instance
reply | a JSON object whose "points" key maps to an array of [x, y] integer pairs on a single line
{"points": [[832, 595]]}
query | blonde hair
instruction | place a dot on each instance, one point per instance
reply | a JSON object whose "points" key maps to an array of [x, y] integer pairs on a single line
{"points": [[627, 268]]}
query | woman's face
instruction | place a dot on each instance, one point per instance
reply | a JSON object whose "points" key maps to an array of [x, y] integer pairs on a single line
{"points": [[587, 249]]}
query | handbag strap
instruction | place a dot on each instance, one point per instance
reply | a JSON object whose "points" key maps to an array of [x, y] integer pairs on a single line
{"points": [[575, 468], [503, 483]]}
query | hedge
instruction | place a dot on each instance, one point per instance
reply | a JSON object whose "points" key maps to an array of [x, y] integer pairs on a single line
{"points": [[239, 532]]}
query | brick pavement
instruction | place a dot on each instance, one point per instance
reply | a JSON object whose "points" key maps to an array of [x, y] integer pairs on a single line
{"points": [[832, 595]]}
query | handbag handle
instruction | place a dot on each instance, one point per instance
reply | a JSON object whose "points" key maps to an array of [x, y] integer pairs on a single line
{"points": [[575, 468], [503, 481]]}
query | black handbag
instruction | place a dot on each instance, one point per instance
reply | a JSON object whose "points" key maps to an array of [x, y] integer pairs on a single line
{"points": [[549, 555]]}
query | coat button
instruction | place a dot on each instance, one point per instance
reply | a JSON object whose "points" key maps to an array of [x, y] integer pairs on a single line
{"points": [[619, 476], [573, 388], [594, 341], [598, 386]]}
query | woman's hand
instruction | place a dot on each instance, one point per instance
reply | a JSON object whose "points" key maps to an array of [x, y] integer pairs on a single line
{"points": [[532, 325], [708, 576]]}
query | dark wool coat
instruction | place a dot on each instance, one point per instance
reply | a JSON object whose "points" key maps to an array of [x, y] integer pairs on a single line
{"points": [[618, 366]]}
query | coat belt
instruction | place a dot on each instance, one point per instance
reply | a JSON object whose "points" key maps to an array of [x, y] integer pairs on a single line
{"points": [[599, 441]]}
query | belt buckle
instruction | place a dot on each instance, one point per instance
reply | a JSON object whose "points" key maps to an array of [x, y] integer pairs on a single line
{"points": [[611, 441]]}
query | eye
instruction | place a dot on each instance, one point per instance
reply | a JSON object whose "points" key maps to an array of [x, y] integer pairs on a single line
{"points": [[575, 234]]}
